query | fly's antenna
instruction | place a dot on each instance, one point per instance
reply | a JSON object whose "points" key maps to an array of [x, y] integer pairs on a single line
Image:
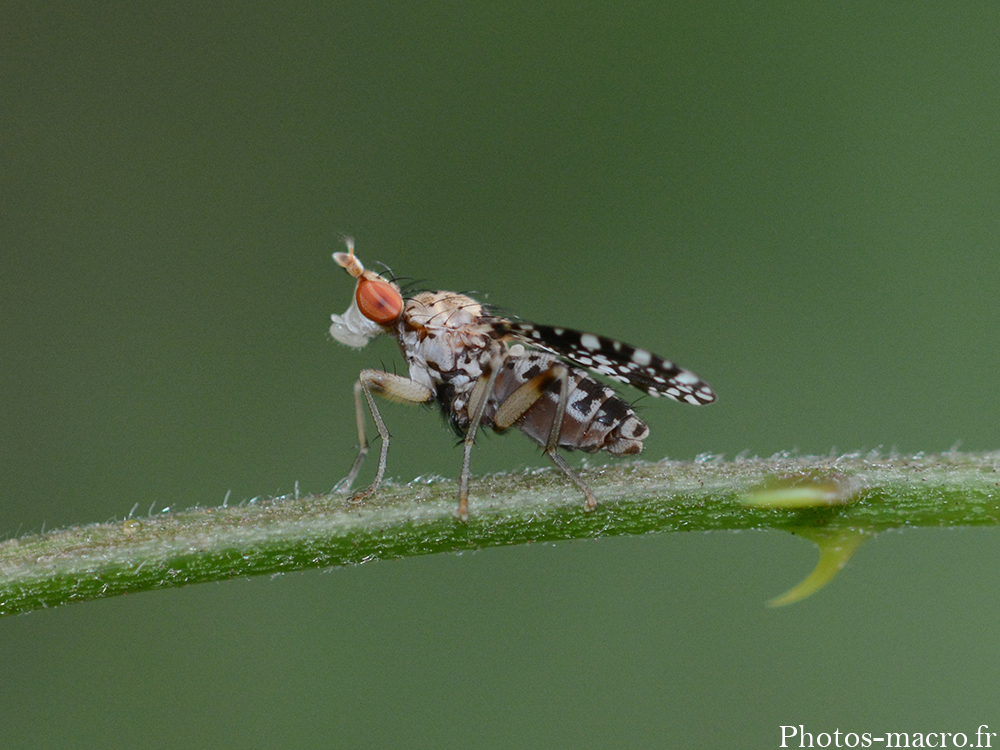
{"points": [[349, 261]]}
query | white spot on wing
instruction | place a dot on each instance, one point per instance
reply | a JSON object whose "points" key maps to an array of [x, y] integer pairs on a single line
{"points": [[642, 357]]}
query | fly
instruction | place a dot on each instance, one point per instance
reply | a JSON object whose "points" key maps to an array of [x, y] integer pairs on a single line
{"points": [[486, 370]]}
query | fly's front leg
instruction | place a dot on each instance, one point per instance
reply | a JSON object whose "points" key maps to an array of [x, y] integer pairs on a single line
{"points": [[477, 405], [394, 388], [344, 485], [522, 399]]}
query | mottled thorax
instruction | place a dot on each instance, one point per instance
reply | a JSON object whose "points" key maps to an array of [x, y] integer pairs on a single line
{"points": [[444, 339]]}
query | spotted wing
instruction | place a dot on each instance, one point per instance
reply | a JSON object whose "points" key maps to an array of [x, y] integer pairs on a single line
{"points": [[623, 362]]}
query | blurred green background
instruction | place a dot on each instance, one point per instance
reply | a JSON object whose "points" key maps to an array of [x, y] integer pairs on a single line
{"points": [[799, 201]]}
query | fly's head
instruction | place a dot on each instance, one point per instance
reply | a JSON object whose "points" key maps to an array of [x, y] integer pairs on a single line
{"points": [[376, 308]]}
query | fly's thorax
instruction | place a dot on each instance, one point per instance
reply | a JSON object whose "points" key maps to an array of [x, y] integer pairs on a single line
{"points": [[444, 340], [442, 311]]}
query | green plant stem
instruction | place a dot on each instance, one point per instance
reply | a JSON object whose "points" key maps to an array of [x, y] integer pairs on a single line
{"points": [[869, 493]]}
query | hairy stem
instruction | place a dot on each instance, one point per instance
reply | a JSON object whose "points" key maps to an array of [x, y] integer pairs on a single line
{"points": [[865, 493]]}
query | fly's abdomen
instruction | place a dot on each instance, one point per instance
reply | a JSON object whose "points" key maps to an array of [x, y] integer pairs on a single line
{"points": [[595, 419]]}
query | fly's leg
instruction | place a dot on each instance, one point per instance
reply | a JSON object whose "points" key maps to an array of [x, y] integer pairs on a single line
{"points": [[394, 388], [477, 405], [523, 399], [551, 448], [344, 485]]}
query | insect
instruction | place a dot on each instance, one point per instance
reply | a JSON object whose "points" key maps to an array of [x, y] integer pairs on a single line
{"points": [[486, 370]]}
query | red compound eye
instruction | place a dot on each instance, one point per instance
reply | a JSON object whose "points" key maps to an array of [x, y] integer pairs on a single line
{"points": [[379, 301]]}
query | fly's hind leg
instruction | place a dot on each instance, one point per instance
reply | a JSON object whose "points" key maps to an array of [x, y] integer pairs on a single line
{"points": [[394, 388], [551, 448], [523, 399]]}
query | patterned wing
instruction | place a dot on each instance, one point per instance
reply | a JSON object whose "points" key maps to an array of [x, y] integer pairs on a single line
{"points": [[623, 362]]}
